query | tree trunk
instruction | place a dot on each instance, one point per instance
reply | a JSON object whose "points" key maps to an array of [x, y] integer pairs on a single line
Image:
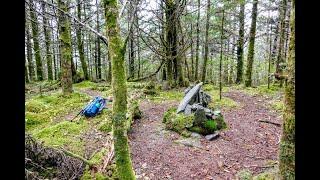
{"points": [[65, 47], [240, 44], [226, 64], [170, 50], [287, 144], [29, 55], [280, 57], [197, 45], [191, 51], [80, 44], [204, 67], [47, 35], [35, 34], [220, 65], [248, 82], [98, 45], [119, 89], [26, 72]]}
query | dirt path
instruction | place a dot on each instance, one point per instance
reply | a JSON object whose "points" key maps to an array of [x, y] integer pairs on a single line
{"points": [[245, 144]]}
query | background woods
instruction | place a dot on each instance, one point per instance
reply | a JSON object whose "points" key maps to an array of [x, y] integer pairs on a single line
{"points": [[133, 50]]}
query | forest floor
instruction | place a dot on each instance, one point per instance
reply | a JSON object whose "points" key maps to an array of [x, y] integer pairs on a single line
{"points": [[245, 144]]}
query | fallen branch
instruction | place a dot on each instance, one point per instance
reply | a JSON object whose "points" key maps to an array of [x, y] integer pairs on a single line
{"points": [[78, 157], [277, 124]]}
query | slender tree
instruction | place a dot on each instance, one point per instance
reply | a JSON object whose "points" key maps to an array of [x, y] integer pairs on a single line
{"points": [[65, 47], [80, 44], [119, 89], [47, 36], [248, 81], [35, 37], [29, 55], [280, 57], [197, 44], [240, 44], [204, 67], [220, 63], [98, 48], [287, 144]]}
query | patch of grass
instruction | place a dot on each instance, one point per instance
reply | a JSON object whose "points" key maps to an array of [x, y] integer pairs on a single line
{"points": [[41, 110], [63, 134], [210, 125], [244, 174], [85, 84], [225, 102], [169, 95], [104, 120], [259, 90], [277, 105]]}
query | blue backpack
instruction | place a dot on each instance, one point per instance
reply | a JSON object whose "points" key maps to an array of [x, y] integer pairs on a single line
{"points": [[94, 107]]}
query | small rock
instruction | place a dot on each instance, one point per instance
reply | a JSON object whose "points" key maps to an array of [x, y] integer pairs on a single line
{"points": [[213, 136], [220, 164], [195, 135], [144, 165]]}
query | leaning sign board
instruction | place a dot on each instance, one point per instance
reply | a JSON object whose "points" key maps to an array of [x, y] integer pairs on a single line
{"points": [[187, 98]]}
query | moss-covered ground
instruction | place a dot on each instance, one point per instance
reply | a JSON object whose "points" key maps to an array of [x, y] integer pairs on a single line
{"points": [[48, 114]]}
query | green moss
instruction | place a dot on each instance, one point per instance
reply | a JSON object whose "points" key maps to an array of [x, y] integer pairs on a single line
{"points": [[177, 122], [85, 84], [277, 105], [210, 125], [169, 95], [221, 124], [225, 102], [63, 134], [98, 157], [41, 110], [244, 174]]}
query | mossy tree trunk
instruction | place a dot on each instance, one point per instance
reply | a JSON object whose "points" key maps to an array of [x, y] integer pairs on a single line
{"points": [[65, 47], [280, 57], [80, 44], [275, 42], [197, 44], [287, 144], [29, 55], [98, 45], [204, 67], [169, 46], [35, 37], [47, 36], [119, 89], [248, 81], [240, 44]]}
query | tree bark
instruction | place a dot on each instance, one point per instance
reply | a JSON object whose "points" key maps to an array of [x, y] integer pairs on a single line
{"points": [[240, 44], [197, 45], [248, 81], [220, 64], [287, 144], [35, 34], [47, 35], [98, 44], [80, 44], [204, 67], [65, 47], [280, 57], [29, 55], [119, 89]]}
